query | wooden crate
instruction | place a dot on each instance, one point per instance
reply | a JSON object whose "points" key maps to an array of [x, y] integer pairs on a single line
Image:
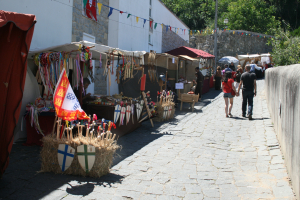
{"points": [[189, 98]]}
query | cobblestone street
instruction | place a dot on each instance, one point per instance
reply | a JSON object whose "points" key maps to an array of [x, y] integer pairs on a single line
{"points": [[198, 155]]}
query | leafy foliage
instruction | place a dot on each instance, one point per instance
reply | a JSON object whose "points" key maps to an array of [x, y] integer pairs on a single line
{"points": [[252, 15], [286, 48]]}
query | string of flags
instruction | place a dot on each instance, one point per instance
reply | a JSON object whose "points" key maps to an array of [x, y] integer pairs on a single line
{"points": [[90, 6]]}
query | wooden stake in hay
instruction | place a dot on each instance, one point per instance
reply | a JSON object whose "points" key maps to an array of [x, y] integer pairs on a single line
{"points": [[105, 145]]}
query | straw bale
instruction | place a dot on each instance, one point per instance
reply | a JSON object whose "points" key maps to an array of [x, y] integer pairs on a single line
{"points": [[160, 111], [105, 149]]}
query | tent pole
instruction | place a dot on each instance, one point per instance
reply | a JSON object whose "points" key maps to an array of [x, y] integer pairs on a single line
{"points": [[80, 86]]}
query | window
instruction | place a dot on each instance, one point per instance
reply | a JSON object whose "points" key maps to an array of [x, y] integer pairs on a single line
{"points": [[150, 10], [150, 2]]}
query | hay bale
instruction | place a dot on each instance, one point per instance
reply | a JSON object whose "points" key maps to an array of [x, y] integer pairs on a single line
{"points": [[160, 111], [105, 150]]}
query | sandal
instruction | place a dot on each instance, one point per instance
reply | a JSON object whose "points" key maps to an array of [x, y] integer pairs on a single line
{"points": [[230, 115], [226, 115]]}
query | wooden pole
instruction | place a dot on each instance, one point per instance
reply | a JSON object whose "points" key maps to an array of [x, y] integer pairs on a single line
{"points": [[80, 86]]}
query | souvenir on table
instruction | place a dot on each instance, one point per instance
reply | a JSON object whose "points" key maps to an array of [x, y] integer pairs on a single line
{"points": [[94, 150], [128, 112], [165, 106], [117, 113]]}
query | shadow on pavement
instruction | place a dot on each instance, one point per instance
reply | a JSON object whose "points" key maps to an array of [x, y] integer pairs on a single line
{"points": [[23, 181]]}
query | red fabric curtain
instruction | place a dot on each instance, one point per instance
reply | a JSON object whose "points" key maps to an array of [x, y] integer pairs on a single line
{"points": [[16, 32]]}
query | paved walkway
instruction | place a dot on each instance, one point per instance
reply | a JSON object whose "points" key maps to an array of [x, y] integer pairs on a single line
{"points": [[199, 155]]}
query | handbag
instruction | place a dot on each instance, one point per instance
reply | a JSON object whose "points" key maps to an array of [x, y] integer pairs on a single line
{"points": [[232, 91]]}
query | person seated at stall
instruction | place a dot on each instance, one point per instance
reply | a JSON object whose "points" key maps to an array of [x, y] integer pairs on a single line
{"points": [[85, 97]]}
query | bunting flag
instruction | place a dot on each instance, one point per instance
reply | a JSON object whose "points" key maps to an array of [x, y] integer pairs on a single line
{"points": [[121, 12], [162, 26], [84, 4], [184, 31], [90, 9], [191, 32], [167, 28], [144, 23], [66, 103], [170, 28], [110, 11], [150, 23], [155, 25], [137, 19], [128, 15], [99, 7]]}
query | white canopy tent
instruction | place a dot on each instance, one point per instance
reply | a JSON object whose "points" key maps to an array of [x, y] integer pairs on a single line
{"points": [[96, 50]]}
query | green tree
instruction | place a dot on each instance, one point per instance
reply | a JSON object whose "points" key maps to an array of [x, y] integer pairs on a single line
{"points": [[252, 15], [286, 48], [196, 14]]}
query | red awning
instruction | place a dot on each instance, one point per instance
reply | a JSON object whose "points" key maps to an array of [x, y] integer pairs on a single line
{"points": [[191, 52], [16, 32]]}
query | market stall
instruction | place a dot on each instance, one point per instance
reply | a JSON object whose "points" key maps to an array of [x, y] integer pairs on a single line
{"points": [[76, 58], [262, 62], [189, 59]]}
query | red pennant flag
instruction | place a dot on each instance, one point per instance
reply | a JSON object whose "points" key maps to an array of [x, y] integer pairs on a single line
{"points": [[121, 12], [184, 31], [65, 102], [151, 24], [90, 9], [170, 28]]}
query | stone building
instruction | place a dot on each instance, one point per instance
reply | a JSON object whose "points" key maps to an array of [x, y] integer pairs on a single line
{"points": [[230, 44], [84, 28]]}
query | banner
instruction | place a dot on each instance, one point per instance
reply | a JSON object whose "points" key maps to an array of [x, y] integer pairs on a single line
{"points": [[66, 103]]}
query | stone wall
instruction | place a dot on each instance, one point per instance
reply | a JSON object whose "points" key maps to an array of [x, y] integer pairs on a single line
{"points": [[230, 44], [171, 40], [283, 97], [99, 29]]}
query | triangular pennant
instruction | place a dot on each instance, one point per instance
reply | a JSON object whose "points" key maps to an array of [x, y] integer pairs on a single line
{"points": [[137, 19], [170, 28], [84, 4], [150, 23], [121, 12], [144, 22], [99, 7], [162, 26], [110, 11], [184, 31], [155, 25], [166, 28], [128, 15]]}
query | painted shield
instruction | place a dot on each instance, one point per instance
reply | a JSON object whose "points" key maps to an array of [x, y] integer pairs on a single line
{"points": [[170, 111], [165, 115], [123, 111], [128, 112], [138, 111], [86, 157], [117, 113], [65, 156]]}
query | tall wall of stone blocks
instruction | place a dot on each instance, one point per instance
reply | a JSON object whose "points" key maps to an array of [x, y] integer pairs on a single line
{"points": [[99, 29], [230, 44], [170, 40]]}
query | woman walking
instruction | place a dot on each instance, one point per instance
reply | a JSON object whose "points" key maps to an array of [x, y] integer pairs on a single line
{"points": [[227, 87], [218, 78], [238, 75]]}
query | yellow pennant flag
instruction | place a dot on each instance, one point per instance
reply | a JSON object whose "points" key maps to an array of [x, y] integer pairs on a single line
{"points": [[233, 32], [191, 32], [99, 7], [162, 26], [137, 19]]}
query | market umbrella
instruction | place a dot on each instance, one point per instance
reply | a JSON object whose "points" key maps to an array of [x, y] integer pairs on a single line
{"points": [[228, 59]]}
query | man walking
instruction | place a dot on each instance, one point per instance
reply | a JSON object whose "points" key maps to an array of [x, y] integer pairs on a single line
{"points": [[200, 78], [248, 80]]}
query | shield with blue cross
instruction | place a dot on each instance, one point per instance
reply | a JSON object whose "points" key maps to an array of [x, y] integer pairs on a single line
{"points": [[117, 113], [86, 157], [65, 155]]}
